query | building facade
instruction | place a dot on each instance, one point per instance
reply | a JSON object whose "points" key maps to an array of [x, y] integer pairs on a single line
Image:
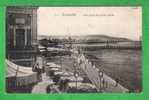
{"points": [[21, 34]]}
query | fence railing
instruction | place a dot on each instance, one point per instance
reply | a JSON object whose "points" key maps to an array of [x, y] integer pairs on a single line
{"points": [[19, 75], [96, 76]]}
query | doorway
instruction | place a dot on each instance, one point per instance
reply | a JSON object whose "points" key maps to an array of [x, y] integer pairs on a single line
{"points": [[20, 38]]}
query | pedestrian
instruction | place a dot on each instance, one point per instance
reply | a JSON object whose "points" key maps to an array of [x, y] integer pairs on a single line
{"points": [[38, 72], [117, 82]]}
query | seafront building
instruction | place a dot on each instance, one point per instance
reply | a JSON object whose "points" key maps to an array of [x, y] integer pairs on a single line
{"points": [[21, 48], [21, 34]]}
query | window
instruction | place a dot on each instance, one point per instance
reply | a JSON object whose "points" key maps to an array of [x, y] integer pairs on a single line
{"points": [[20, 21]]}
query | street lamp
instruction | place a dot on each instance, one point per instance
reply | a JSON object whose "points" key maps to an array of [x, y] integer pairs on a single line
{"points": [[76, 76], [100, 79]]}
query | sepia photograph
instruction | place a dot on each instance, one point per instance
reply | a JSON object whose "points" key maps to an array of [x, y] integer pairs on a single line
{"points": [[73, 49]]}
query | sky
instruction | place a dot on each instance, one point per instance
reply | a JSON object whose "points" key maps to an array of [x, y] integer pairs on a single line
{"points": [[112, 21]]}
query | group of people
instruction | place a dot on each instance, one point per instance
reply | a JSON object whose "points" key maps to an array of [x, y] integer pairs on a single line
{"points": [[39, 67]]}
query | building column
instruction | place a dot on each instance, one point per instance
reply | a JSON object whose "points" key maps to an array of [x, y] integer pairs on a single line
{"points": [[14, 36], [31, 28], [25, 36]]}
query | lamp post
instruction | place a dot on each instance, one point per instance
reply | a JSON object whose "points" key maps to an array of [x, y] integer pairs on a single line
{"points": [[75, 72], [100, 79], [61, 63], [76, 76]]}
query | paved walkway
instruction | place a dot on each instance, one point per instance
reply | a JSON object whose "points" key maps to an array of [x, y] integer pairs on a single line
{"points": [[111, 86], [93, 74], [41, 87]]}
